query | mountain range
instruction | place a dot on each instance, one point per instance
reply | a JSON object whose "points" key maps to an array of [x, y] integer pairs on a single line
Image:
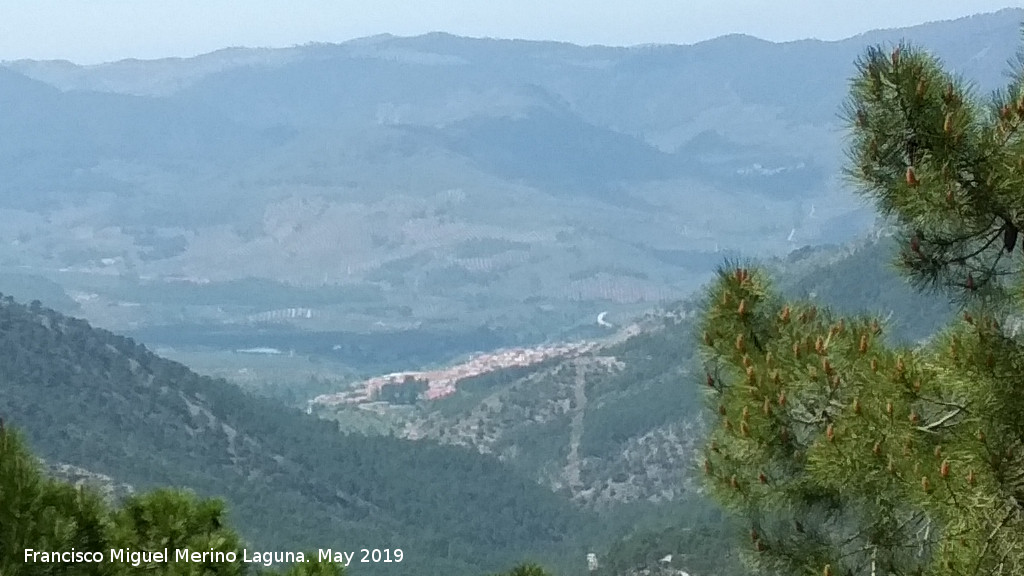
{"points": [[400, 205], [426, 185]]}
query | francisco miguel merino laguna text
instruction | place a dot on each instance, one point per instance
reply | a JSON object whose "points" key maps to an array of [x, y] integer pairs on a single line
{"points": [[139, 557]]}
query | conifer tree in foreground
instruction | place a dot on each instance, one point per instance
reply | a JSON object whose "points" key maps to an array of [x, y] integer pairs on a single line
{"points": [[46, 515], [851, 456]]}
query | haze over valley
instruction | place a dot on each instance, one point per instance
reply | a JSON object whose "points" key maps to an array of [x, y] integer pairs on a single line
{"points": [[492, 192], [441, 293]]}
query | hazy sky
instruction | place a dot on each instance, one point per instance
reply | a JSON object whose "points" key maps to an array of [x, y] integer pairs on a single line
{"points": [[89, 31]]}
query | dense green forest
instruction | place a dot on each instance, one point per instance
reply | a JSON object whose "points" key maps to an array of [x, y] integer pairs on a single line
{"points": [[40, 516], [103, 402], [643, 394], [697, 543], [861, 278]]}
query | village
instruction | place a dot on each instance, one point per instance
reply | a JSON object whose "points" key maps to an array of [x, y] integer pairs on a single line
{"points": [[444, 381]]}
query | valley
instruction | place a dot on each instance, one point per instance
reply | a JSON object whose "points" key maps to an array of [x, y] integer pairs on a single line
{"points": [[434, 293], [306, 190], [604, 435]]}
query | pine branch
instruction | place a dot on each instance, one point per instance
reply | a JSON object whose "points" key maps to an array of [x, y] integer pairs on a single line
{"points": [[991, 537]]}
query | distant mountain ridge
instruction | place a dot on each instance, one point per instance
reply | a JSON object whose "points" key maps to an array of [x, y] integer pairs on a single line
{"points": [[129, 76], [439, 182]]}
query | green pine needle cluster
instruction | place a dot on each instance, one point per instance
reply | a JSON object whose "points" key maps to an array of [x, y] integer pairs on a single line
{"points": [[947, 168]]}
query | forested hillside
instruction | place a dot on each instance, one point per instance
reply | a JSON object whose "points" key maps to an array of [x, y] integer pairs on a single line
{"points": [[619, 427], [861, 278], [589, 452], [630, 442], [103, 402], [51, 527], [614, 424]]}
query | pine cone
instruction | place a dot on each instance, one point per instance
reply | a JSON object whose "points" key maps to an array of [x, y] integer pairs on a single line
{"points": [[1009, 237], [784, 317], [912, 180]]}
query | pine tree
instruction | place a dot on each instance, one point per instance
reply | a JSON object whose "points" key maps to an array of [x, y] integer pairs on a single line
{"points": [[41, 514], [847, 455], [176, 520], [48, 516]]}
